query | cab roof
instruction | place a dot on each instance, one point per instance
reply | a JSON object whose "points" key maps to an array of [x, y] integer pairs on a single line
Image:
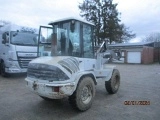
{"points": [[69, 19]]}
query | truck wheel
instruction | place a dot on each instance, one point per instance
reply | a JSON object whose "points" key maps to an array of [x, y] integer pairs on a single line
{"points": [[2, 67], [82, 97], [113, 84]]}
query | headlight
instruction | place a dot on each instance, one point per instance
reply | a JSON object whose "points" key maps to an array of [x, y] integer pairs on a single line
{"points": [[14, 66]]}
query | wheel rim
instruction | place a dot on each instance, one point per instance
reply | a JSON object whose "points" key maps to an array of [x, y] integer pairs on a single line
{"points": [[86, 94], [116, 82]]}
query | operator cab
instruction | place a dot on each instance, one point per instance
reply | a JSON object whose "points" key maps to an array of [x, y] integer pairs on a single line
{"points": [[67, 37]]}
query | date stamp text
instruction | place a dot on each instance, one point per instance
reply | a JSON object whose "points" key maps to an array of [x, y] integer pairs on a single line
{"points": [[133, 102]]}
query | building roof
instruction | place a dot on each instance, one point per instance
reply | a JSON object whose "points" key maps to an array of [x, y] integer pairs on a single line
{"points": [[131, 44]]}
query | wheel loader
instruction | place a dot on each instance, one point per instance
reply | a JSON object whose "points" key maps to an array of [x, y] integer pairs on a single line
{"points": [[67, 65]]}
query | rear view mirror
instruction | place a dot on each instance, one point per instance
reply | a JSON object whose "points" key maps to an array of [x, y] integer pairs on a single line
{"points": [[4, 37]]}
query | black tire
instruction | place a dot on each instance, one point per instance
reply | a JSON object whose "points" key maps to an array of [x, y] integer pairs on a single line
{"points": [[82, 97], [2, 69], [113, 84]]}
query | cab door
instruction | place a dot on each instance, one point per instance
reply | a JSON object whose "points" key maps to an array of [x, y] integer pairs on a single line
{"points": [[45, 41]]}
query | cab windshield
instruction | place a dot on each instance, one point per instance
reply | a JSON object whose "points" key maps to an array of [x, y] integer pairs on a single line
{"points": [[67, 39], [24, 38]]}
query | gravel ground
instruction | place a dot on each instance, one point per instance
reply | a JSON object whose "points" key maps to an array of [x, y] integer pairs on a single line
{"points": [[138, 83]]}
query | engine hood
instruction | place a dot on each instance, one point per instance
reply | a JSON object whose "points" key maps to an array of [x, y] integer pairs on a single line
{"points": [[71, 64], [48, 60]]}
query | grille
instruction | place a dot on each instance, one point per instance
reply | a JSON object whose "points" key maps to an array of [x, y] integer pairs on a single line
{"points": [[45, 72], [24, 61], [42, 74]]}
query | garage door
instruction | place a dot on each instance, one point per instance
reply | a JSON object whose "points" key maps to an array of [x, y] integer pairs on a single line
{"points": [[134, 57]]}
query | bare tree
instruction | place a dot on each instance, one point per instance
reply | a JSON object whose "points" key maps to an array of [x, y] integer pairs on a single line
{"points": [[105, 16], [153, 37]]}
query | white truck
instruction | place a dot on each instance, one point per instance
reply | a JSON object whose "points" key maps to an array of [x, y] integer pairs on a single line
{"points": [[68, 67], [18, 46]]}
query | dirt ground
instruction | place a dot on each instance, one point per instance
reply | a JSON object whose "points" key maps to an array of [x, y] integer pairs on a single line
{"points": [[137, 99]]}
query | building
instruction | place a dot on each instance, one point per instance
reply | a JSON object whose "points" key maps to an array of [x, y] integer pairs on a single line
{"points": [[142, 52]]}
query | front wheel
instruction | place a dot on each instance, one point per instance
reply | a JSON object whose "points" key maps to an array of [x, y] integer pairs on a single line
{"points": [[83, 96], [2, 69], [113, 84]]}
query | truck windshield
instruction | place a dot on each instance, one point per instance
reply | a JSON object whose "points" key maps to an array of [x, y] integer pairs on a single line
{"points": [[24, 38]]}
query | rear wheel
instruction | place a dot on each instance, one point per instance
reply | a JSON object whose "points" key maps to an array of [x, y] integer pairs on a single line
{"points": [[113, 84], [83, 96]]}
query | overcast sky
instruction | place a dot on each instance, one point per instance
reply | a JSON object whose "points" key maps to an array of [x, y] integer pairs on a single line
{"points": [[141, 16]]}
